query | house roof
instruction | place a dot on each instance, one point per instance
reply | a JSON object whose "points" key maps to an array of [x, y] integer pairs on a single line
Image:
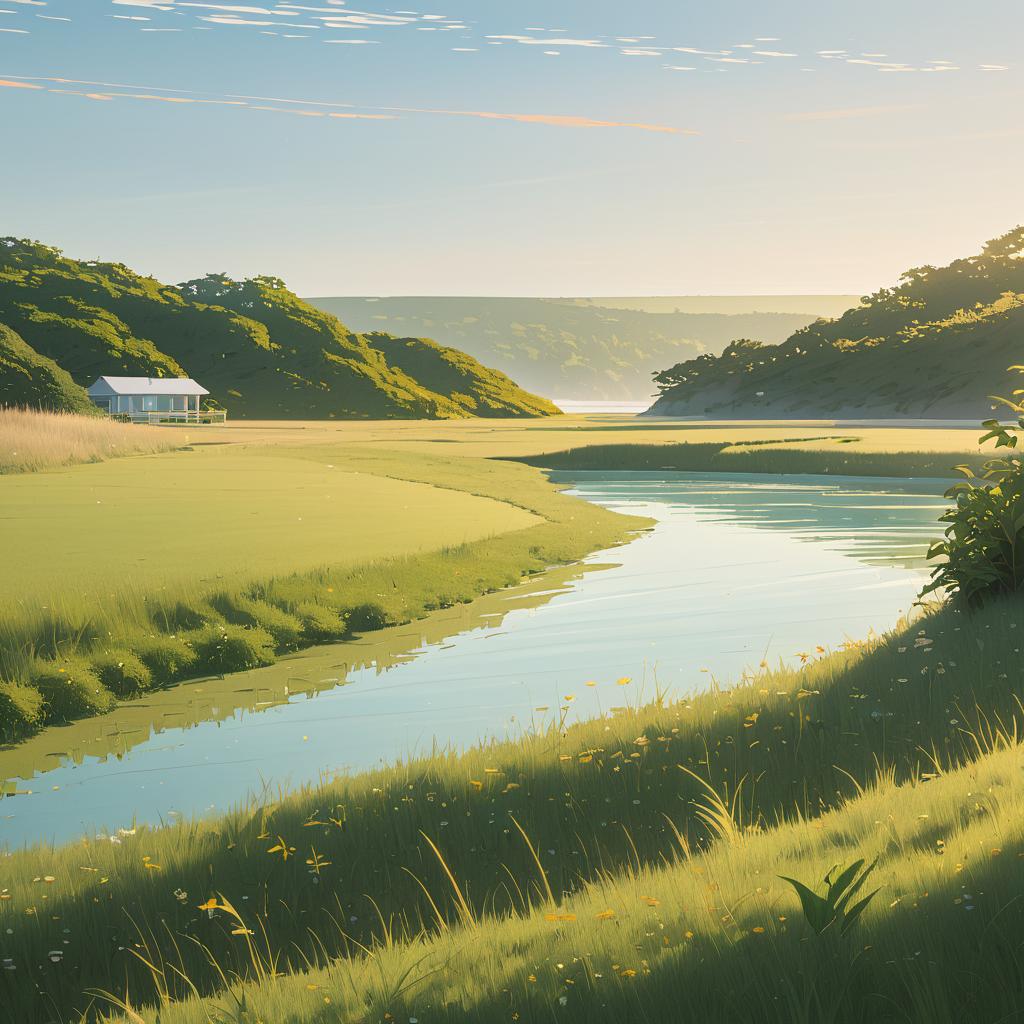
{"points": [[104, 386]]}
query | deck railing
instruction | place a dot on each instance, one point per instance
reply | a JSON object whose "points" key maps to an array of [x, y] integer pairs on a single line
{"points": [[172, 417]]}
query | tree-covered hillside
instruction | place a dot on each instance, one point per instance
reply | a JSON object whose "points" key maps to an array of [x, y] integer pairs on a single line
{"points": [[259, 349], [474, 388], [29, 379], [936, 345], [571, 349]]}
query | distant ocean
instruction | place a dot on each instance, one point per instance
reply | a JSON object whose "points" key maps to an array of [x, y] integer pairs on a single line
{"points": [[625, 408]]}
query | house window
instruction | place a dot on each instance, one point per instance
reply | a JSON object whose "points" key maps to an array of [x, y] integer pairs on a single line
{"points": [[149, 403]]}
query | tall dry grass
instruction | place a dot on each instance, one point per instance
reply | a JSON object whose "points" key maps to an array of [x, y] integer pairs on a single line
{"points": [[31, 440]]}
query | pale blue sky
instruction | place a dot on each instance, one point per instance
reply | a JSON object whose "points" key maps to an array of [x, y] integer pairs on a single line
{"points": [[654, 147]]}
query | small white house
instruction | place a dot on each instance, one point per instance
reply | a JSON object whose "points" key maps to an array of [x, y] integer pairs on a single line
{"points": [[151, 399]]}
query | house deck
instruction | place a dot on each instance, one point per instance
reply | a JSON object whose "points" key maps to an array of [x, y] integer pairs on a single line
{"points": [[172, 418]]}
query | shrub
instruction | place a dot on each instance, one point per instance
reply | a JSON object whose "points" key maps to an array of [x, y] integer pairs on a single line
{"points": [[122, 672], [21, 709], [167, 657], [229, 648], [365, 617], [320, 623], [984, 545], [285, 628], [70, 689]]}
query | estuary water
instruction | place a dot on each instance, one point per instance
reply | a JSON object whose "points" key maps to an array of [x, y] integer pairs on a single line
{"points": [[737, 570]]}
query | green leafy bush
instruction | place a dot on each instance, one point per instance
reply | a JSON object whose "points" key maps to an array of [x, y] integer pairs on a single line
{"points": [[320, 623], [70, 689], [21, 709], [228, 648], [167, 657], [983, 551], [122, 672]]}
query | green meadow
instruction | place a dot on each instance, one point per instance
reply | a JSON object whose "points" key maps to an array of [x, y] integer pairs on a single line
{"points": [[138, 572], [630, 868], [194, 520], [130, 568], [621, 869]]}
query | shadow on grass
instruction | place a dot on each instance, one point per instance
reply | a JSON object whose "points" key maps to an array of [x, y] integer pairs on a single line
{"points": [[597, 798], [951, 954]]}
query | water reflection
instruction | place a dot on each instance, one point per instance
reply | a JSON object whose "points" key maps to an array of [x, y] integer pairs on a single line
{"points": [[305, 674], [875, 521], [737, 570]]}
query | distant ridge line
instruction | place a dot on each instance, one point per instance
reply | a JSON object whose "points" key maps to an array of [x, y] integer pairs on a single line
{"points": [[808, 304]]}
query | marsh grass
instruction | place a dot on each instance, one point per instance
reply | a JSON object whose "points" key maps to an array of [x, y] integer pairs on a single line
{"points": [[179, 631], [33, 440], [478, 870], [718, 937], [826, 455]]}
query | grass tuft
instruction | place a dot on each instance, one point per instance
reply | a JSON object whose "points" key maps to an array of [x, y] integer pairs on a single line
{"points": [[229, 648], [21, 710], [320, 622], [70, 688], [168, 658], [122, 672]]}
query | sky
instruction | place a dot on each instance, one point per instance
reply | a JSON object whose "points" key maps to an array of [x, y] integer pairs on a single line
{"points": [[535, 147]]}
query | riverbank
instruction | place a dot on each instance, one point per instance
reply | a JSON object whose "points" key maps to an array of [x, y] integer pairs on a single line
{"points": [[572, 847], [736, 570], [138, 573], [263, 538], [833, 456]]}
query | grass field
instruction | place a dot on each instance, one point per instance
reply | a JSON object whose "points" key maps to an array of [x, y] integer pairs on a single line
{"points": [[616, 864], [139, 572], [191, 521], [519, 438], [619, 870], [260, 538]]}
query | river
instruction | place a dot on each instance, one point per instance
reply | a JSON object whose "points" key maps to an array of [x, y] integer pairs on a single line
{"points": [[738, 570]]}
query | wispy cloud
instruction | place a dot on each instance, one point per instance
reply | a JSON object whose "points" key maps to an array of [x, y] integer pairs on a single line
{"points": [[323, 108], [556, 120]]}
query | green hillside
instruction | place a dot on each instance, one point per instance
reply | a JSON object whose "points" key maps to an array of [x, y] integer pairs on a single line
{"points": [[936, 345], [474, 388], [576, 349], [27, 378], [260, 350]]}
